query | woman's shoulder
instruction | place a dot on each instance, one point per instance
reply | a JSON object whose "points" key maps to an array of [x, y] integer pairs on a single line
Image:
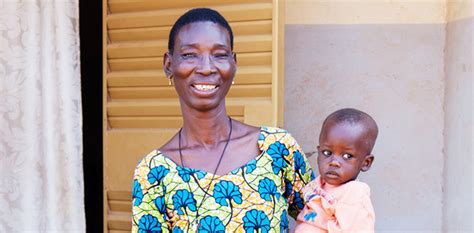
{"points": [[271, 129], [270, 135], [153, 159]]}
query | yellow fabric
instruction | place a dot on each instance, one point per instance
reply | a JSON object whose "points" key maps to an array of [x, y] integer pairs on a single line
{"points": [[255, 196]]}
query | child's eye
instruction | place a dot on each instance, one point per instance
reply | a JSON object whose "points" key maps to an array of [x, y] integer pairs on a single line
{"points": [[347, 156], [326, 153]]}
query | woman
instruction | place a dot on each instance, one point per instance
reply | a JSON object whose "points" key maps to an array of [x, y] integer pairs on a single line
{"points": [[216, 174]]}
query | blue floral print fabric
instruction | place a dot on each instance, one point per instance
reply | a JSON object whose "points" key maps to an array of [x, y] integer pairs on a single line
{"points": [[256, 197]]}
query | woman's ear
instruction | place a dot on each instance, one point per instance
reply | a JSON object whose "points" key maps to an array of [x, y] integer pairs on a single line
{"points": [[167, 64], [368, 160]]}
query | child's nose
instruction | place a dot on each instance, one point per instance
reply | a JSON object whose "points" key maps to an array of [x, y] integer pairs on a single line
{"points": [[334, 163]]}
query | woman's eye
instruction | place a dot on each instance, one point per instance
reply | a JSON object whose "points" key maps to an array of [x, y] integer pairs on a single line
{"points": [[327, 153], [221, 55], [347, 156], [188, 55]]}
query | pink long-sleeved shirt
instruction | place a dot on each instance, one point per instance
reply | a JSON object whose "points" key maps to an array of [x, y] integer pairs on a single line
{"points": [[336, 209]]}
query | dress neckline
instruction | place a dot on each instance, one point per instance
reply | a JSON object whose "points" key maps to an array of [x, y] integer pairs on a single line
{"points": [[260, 140]]}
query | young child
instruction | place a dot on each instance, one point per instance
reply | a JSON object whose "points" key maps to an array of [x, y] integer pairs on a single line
{"points": [[335, 201]]}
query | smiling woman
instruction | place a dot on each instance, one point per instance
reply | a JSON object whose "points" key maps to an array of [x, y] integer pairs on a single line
{"points": [[202, 64], [216, 174]]}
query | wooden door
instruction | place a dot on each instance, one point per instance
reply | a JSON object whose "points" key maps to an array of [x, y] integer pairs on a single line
{"points": [[141, 111]]}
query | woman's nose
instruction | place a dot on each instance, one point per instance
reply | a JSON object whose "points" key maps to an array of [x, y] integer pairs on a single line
{"points": [[206, 65]]}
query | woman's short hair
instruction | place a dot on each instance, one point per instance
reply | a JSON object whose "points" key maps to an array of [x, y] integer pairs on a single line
{"points": [[199, 15]]}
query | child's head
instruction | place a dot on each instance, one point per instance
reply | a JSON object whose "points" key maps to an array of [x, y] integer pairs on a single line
{"points": [[345, 145]]}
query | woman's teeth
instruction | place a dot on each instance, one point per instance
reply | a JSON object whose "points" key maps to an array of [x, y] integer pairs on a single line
{"points": [[204, 87]]}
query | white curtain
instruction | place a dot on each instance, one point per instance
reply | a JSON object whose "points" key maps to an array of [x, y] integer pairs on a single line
{"points": [[41, 176]]}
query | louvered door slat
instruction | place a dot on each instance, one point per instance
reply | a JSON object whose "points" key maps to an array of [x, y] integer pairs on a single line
{"points": [[157, 18], [117, 6], [149, 63], [150, 78], [258, 90], [161, 33], [242, 44], [158, 108]]}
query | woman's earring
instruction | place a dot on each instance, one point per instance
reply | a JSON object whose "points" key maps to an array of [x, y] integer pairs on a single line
{"points": [[170, 80], [233, 82]]}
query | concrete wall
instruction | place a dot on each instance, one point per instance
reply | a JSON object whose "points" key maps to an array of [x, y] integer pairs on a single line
{"points": [[457, 208], [385, 58]]}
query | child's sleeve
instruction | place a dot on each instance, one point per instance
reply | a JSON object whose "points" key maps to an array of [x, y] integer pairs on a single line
{"points": [[148, 204], [354, 213]]}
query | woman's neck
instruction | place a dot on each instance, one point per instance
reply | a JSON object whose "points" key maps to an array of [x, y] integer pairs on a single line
{"points": [[206, 129]]}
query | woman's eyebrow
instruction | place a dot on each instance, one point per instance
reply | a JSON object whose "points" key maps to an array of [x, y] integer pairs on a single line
{"points": [[192, 45], [196, 45], [221, 45]]}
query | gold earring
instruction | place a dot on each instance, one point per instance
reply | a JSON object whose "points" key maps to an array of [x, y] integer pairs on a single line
{"points": [[170, 80]]}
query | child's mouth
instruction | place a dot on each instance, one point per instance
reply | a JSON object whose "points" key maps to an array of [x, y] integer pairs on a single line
{"points": [[332, 174]]}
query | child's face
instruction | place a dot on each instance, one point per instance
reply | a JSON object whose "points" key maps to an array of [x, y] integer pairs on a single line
{"points": [[343, 152]]}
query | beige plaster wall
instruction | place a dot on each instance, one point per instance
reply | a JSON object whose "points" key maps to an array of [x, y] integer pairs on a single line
{"points": [[457, 208], [459, 9], [385, 58], [365, 11]]}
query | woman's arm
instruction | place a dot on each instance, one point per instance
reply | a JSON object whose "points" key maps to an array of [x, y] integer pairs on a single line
{"points": [[149, 209], [299, 174]]}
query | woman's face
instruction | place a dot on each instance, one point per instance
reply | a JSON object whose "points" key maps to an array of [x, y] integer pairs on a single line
{"points": [[202, 64]]}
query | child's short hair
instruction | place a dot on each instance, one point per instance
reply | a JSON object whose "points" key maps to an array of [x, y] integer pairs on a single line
{"points": [[354, 116]]}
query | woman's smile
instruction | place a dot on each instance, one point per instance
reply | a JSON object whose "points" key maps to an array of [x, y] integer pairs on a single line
{"points": [[204, 90]]}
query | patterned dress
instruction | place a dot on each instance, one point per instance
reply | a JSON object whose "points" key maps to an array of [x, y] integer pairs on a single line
{"points": [[256, 197]]}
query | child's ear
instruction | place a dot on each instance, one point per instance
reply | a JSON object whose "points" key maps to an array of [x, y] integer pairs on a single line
{"points": [[368, 160]]}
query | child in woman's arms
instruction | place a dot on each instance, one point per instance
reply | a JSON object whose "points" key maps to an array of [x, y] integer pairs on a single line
{"points": [[336, 201]]}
